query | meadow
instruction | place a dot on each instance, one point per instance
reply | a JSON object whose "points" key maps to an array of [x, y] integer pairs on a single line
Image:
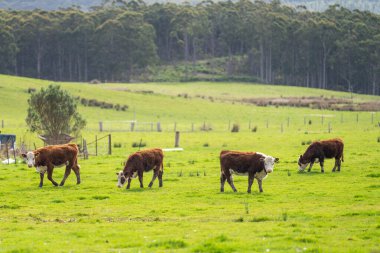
{"points": [[297, 212]]}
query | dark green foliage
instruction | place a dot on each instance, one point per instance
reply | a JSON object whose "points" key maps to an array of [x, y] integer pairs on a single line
{"points": [[139, 144], [170, 244], [255, 41], [117, 145], [235, 128], [53, 112]]}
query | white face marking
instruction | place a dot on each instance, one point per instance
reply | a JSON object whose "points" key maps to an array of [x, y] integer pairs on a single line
{"points": [[269, 163], [134, 175], [30, 159], [302, 166], [121, 179]]}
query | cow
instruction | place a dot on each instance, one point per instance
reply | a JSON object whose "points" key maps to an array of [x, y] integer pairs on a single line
{"points": [[254, 164], [46, 158], [140, 162], [319, 150]]}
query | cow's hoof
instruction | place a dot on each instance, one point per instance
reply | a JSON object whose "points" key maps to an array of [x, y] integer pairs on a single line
{"points": [[40, 186], [61, 184], [78, 182], [221, 190], [235, 190], [150, 185], [248, 191]]}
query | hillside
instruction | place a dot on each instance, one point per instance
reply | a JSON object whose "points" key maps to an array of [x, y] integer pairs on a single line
{"points": [[316, 5]]}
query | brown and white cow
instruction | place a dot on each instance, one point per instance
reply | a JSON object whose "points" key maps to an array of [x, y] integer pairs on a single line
{"points": [[46, 158], [319, 150], [254, 164], [140, 162]]}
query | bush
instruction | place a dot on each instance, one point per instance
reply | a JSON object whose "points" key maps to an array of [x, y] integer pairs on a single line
{"points": [[117, 145], [205, 144], [310, 121], [235, 128], [138, 144], [378, 139], [254, 129]]}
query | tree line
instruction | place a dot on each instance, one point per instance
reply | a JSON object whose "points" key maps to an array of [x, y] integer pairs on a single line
{"points": [[335, 49]]}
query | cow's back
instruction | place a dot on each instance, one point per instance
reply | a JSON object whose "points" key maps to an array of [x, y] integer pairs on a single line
{"points": [[238, 161], [332, 148]]}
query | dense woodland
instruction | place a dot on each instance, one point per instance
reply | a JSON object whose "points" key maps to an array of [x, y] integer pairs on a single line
{"points": [[335, 49]]}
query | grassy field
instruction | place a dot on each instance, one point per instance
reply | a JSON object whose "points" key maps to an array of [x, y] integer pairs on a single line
{"points": [[298, 212]]}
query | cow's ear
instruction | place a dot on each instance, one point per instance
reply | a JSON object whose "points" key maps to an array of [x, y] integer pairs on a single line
{"points": [[36, 154], [276, 160], [23, 155]]}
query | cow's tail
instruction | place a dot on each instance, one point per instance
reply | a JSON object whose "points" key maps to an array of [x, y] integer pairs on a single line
{"points": [[342, 152]]}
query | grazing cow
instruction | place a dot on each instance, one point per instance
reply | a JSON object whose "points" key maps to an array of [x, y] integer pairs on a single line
{"points": [[46, 158], [319, 150], [140, 162], [254, 164]]}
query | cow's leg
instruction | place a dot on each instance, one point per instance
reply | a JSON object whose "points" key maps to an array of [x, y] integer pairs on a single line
{"points": [[140, 174], [223, 179], [129, 183], [50, 175], [250, 182], [76, 169], [339, 164], [311, 166], [67, 173], [230, 181], [41, 179], [160, 173], [321, 162], [336, 164], [260, 182], [155, 174]]}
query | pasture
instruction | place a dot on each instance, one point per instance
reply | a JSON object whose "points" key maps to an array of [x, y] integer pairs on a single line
{"points": [[297, 212]]}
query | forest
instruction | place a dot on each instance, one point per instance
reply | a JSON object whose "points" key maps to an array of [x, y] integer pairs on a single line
{"points": [[335, 49]]}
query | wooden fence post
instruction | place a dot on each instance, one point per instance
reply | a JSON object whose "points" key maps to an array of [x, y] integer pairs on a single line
{"points": [[341, 118], [132, 126], [372, 117], [175, 126], [96, 145], [100, 126], [329, 127], [176, 144], [151, 126], [85, 151], [322, 118], [109, 145], [357, 118], [159, 127], [267, 123], [304, 120], [229, 125], [192, 127]]}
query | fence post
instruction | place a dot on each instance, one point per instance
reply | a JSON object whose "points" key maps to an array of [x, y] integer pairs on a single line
{"points": [[151, 126], [192, 127], [158, 127], [85, 151], [100, 126], [341, 118], [304, 120], [132, 126], [322, 119], [267, 123], [372, 116], [229, 125], [282, 128], [176, 144], [357, 118], [109, 145], [2, 123], [329, 127], [175, 126], [96, 145]]}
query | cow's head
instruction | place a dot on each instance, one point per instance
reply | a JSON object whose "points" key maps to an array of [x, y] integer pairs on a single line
{"points": [[302, 163], [123, 177], [269, 162], [30, 158]]}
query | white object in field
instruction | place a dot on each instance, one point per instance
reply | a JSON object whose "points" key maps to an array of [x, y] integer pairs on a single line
{"points": [[172, 149], [8, 161]]}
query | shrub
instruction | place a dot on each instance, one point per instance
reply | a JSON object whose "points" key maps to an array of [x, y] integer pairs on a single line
{"points": [[117, 145], [310, 122], [254, 129], [138, 144], [235, 128], [378, 139], [205, 144]]}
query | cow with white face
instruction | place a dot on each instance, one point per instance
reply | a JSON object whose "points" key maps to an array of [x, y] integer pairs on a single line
{"points": [[318, 151], [140, 162], [46, 158], [254, 164]]}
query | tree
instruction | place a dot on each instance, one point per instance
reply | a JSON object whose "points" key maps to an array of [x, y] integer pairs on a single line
{"points": [[53, 112]]}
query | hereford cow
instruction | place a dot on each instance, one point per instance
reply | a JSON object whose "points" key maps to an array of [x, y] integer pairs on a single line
{"points": [[254, 164], [140, 162], [319, 150], [45, 159]]}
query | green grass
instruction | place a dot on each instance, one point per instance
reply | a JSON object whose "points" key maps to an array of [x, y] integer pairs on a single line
{"points": [[298, 212]]}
